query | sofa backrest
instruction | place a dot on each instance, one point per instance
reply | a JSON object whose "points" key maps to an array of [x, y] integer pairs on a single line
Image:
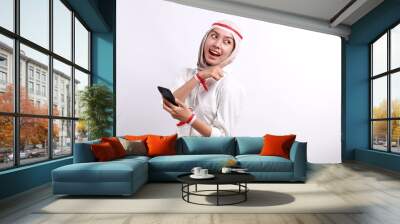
{"points": [[193, 145], [83, 152], [249, 145]]}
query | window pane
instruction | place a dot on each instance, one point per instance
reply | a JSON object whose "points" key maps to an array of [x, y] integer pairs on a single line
{"points": [[33, 140], [379, 87], [379, 55], [62, 138], [395, 47], [6, 74], [81, 81], [62, 89], [34, 81], [395, 94], [379, 135], [62, 29], [6, 142], [35, 21], [395, 136], [7, 14], [81, 45], [81, 131]]}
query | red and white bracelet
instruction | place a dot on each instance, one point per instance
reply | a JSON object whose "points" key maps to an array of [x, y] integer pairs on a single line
{"points": [[201, 81], [189, 121]]}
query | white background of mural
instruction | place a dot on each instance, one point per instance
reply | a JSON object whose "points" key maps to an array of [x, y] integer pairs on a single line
{"points": [[292, 77]]}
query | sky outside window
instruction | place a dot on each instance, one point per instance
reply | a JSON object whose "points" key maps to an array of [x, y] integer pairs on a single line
{"points": [[7, 14]]}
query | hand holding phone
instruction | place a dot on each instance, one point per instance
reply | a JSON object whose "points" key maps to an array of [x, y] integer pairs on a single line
{"points": [[167, 94]]}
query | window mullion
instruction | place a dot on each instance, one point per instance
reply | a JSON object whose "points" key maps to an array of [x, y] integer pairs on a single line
{"points": [[16, 84], [389, 138], [50, 87], [73, 82], [371, 99]]}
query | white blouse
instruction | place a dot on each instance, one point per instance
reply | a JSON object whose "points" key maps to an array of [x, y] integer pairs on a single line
{"points": [[219, 107]]}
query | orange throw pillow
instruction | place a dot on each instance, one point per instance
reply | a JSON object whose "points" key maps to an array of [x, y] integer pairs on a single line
{"points": [[103, 152], [277, 145], [161, 145], [116, 145]]}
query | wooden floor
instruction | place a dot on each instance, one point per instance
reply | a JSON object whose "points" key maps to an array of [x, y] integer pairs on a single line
{"points": [[377, 188]]}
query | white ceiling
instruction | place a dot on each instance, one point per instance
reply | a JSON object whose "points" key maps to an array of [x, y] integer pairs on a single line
{"points": [[315, 15]]}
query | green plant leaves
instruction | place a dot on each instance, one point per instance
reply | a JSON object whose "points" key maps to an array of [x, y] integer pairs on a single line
{"points": [[97, 104]]}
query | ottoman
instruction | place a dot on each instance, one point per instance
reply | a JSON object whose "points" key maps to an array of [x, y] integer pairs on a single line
{"points": [[118, 177]]}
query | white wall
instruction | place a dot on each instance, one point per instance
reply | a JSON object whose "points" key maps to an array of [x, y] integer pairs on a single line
{"points": [[292, 77]]}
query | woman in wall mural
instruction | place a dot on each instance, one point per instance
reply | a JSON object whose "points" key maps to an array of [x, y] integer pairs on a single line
{"points": [[209, 98]]}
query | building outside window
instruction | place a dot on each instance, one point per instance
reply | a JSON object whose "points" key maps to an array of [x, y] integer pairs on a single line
{"points": [[3, 72], [3, 78], [44, 77], [43, 90], [30, 87], [30, 72]]}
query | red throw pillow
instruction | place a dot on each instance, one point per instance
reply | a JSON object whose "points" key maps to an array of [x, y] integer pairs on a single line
{"points": [[277, 145], [103, 151], [161, 145], [116, 145]]}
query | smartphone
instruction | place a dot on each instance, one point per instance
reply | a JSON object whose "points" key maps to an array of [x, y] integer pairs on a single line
{"points": [[167, 94]]}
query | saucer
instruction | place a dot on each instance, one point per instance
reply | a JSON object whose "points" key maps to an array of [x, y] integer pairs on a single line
{"points": [[208, 176]]}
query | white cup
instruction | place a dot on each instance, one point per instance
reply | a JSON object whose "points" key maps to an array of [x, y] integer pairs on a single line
{"points": [[196, 171], [203, 172], [226, 170]]}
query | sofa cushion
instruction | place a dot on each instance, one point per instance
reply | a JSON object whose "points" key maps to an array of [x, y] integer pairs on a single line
{"points": [[134, 147], [249, 145], [131, 158], [193, 145], [185, 163], [116, 145], [257, 163], [161, 145], [103, 152], [277, 145]]}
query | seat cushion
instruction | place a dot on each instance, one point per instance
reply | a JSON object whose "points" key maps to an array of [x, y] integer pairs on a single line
{"points": [[112, 171], [185, 163], [257, 163]]}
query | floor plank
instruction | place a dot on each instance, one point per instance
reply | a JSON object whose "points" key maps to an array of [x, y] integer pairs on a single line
{"points": [[376, 189]]}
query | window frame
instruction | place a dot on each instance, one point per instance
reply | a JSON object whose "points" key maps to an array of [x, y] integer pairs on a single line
{"points": [[16, 114], [388, 74]]}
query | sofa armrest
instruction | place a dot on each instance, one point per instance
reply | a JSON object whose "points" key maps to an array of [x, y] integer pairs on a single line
{"points": [[83, 152], [298, 155]]}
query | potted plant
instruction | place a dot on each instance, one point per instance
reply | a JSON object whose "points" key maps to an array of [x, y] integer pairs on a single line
{"points": [[96, 102]]}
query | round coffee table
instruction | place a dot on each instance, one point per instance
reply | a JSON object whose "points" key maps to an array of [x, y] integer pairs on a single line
{"points": [[238, 179]]}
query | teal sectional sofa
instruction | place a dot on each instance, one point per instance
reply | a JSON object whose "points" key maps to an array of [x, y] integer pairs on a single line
{"points": [[125, 176]]}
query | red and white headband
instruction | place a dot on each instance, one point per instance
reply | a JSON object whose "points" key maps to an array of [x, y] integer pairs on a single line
{"points": [[229, 28]]}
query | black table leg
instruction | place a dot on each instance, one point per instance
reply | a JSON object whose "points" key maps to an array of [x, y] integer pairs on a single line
{"points": [[196, 188], [245, 193], [217, 194], [188, 190], [182, 190]]}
